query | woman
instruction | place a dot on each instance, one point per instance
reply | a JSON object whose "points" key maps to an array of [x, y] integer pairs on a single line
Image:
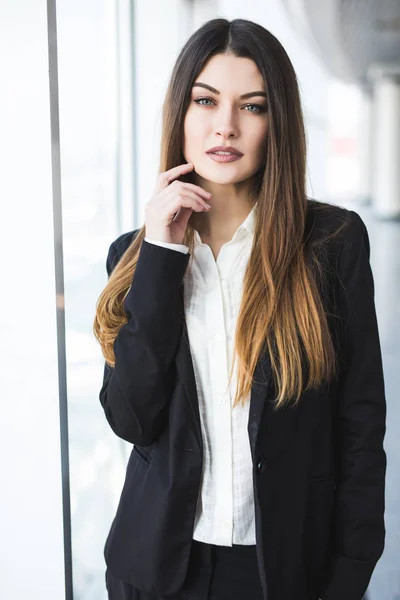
{"points": [[263, 480]]}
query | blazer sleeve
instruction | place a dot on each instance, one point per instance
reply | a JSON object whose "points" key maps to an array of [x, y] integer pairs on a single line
{"points": [[135, 393], [359, 529]]}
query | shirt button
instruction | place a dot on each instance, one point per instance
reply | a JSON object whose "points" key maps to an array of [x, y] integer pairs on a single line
{"points": [[226, 524], [223, 399], [218, 337]]}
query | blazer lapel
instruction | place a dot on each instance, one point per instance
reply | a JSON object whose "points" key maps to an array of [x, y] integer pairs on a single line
{"points": [[185, 370]]}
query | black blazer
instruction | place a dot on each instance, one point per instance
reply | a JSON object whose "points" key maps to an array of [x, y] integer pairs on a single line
{"points": [[319, 470]]}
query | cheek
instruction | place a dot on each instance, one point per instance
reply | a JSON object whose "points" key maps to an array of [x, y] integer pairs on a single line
{"points": [[188, 129], [187, 134], [194, 133]]}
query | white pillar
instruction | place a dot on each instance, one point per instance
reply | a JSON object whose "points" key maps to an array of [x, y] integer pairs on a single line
{"points": [[366, 144], [31, 313], [386, 186]]}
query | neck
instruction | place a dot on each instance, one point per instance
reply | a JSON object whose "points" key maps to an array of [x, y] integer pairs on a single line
{"points": [[228, 211], [220, 226]]}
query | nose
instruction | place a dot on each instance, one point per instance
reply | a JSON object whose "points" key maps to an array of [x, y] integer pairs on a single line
{"points": [[225, 132], [226, 126]]}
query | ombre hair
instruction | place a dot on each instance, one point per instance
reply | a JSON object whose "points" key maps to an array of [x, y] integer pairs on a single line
{"points": [[281, 308]]}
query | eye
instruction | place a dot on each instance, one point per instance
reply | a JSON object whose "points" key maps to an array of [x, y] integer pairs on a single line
{"points": [[199, 100], [258, 107]]}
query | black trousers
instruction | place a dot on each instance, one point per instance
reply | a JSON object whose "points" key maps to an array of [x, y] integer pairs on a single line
{"points": [[214, 573]]}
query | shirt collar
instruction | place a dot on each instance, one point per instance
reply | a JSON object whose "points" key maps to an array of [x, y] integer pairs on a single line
{"points": [[249, 222]]}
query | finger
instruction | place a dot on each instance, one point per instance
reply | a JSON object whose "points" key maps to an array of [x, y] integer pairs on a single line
{"points": [[185, 202], [182, 217], [171, 198], [165, 178], [196, 188]]}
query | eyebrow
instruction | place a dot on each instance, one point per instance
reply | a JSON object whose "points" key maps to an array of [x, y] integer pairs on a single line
{"points": [[243, 96]]}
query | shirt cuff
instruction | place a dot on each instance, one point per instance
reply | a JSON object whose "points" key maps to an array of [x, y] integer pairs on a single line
{"points": [[178, 247]]}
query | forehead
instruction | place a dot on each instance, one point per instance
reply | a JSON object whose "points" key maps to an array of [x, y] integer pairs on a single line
{"points": [[231, 74]]}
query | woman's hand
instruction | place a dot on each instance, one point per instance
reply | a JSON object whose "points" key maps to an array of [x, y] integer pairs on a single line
{"points": [[168, 211]]}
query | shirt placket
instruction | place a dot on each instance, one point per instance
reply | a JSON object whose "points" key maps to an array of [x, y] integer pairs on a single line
{"points": [[222, 422]]}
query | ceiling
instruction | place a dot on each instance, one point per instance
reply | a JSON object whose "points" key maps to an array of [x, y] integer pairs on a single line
{"points": [[351, 35], [370, 33]]}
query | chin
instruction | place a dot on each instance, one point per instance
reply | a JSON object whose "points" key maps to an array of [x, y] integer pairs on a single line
{"points": [[225, 180], [221, 175]]}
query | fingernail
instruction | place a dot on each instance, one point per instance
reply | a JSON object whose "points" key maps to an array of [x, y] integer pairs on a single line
{"points": [[207, 204]]}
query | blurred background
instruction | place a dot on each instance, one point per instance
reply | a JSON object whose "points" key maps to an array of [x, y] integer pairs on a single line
{"points": [[80, 113]]}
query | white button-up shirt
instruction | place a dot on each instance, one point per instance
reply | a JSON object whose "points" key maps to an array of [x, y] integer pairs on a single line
{"points": [[212, 296]]}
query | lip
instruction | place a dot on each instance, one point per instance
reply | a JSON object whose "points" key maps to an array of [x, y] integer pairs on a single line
{"points": [[224, 158], [225, 149]]}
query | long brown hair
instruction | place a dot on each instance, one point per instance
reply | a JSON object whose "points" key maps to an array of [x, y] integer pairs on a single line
{"points": [[281, 308]]}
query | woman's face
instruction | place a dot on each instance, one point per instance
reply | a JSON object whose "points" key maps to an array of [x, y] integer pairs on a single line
{"points": [[220, 117]]}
